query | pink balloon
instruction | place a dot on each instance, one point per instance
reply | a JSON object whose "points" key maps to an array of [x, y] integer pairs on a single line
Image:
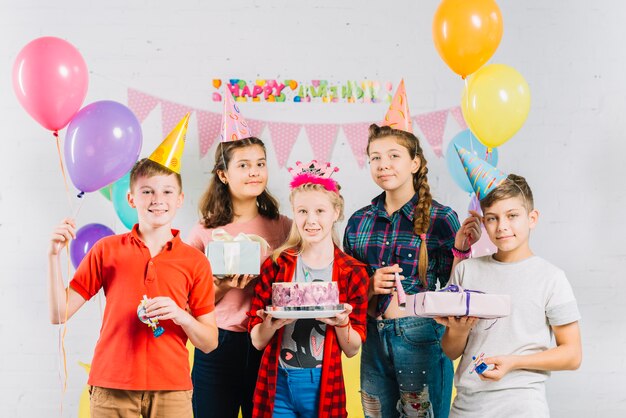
{"points": [[484, 246], [50, 80]]}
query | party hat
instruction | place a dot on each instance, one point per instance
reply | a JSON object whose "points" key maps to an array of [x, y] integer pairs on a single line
{"points": [[398, 116], [234, 126], [483, 176], [169, 153], [315, 173]]}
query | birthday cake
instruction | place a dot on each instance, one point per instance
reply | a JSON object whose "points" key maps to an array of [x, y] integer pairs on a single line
{"points": [[305, 296]]}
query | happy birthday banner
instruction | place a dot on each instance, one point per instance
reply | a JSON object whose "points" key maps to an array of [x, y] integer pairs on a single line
{"points": [[321, 136], [316, 91]]}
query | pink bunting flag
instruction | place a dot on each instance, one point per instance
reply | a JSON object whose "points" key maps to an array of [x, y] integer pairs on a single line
{"points": [[209, 124], [356, 133], [321, 138], [171, 114], [141, 104], [433, 125], [256, 127], [457, 113], [284, 136]]}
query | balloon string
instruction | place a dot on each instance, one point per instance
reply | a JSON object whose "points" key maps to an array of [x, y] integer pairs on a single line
{"points": [[67, 305], [63, 329], [63, 375], [67, 187], [467, 107], [77, 209]]}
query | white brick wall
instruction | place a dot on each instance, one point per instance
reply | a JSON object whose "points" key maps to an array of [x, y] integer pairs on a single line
{"points": [[571, 148]]}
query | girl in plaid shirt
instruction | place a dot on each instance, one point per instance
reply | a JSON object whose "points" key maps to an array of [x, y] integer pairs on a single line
{"points": [[407, 240], [300, 373]]}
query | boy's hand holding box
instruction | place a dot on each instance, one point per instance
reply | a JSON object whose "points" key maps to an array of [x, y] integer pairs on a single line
{"points": [[456, 301], [230, 255]]}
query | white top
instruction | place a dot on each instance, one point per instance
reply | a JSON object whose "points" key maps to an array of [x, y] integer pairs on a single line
{"points": [[541, 297]]}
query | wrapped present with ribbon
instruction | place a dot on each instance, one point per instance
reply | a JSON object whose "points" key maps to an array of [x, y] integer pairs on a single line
{"points": [[230, 255], [453, 300]]}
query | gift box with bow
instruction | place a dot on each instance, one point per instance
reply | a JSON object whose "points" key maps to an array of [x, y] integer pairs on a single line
{"points": [[230, 255], [456, 301]]}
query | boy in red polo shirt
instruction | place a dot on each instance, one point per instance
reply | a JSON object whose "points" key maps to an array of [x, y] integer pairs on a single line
{"points": [[133, 372]]}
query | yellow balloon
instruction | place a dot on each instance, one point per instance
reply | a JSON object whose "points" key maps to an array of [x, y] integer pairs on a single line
{"points": [[352, 381], [83, 403], [495, 103]]}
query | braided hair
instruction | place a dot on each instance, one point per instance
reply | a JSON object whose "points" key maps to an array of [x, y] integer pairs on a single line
{"points": [[421, 216]]}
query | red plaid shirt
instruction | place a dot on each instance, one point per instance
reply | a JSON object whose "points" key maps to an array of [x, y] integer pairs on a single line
{"points": [[353, 281]]}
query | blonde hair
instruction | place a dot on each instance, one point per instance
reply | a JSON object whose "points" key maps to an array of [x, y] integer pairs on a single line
{"points": [[421, 216], [294, 243]]}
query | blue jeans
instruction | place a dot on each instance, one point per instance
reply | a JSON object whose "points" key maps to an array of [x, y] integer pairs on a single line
{"points": [[224, 379], [404, 373], [297, 393]]}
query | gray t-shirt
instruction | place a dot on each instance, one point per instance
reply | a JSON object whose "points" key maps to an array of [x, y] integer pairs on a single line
{"points": [[541, 297], [303, 340]]}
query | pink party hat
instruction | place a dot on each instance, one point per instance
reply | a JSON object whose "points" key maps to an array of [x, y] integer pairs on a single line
{"points": [[483, 176], [234, 126], [398, 115]]}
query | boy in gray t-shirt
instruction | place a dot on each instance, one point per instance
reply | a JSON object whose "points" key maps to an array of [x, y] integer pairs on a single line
{"points": [[517, 348]]}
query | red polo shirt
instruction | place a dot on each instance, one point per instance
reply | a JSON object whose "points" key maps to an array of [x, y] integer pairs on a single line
{"points": [[127, 355]]}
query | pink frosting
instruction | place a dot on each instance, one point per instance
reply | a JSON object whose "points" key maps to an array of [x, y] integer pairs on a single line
{"points": [[305, 294]]}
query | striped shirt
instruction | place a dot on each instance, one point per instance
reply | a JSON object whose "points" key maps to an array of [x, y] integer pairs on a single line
{"points": [[379, 240]]}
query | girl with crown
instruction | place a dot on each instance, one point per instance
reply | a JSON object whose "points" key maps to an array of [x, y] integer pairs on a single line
{"points": [[301, 374], [236, 201], [409, 242]]}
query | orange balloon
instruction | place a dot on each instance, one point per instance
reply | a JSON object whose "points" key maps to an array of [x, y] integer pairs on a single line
{"points": [[467, 33]]}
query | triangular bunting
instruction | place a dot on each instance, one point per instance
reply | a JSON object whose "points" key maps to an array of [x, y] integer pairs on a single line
{"points": [[171, 113], [321, 138], [356, 133], [432, 126], [141, 104], [284, 137], [209, 124], [458, 116], [256, 127]]}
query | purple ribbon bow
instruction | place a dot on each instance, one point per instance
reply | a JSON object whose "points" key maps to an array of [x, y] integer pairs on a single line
{"points": [[457, 289]]}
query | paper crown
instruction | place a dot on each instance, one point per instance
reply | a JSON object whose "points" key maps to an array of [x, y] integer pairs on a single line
{"points": [[314, 173], [234, 126], [170, 152], [482, 176], [398, 115]]}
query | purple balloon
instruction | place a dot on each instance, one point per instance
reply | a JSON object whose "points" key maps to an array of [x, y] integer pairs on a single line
{"points": [[102, 143], [86, 237], [474, 205]]}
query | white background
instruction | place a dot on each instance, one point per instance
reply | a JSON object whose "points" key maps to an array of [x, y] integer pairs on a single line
{"points": [[570, 149]]}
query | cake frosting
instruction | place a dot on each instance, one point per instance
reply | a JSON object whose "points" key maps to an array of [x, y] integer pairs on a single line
{"points": [[305, 295]]}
